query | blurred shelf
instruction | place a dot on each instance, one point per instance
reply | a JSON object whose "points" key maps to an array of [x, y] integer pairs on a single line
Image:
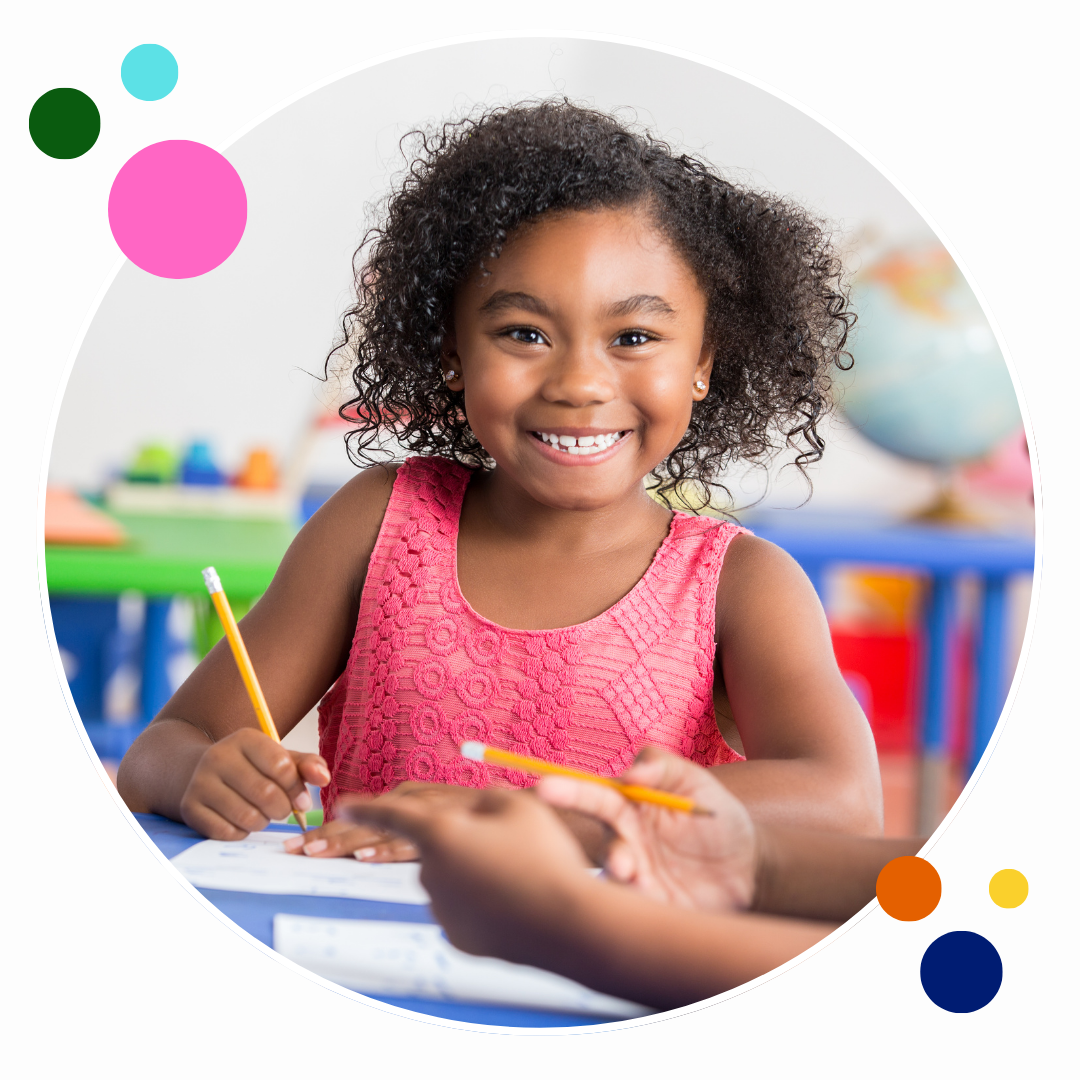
{"points": [[819, 538]]}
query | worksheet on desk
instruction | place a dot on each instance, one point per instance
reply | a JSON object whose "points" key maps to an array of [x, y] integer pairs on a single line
{"points": [[415, 960], [260, 864]]}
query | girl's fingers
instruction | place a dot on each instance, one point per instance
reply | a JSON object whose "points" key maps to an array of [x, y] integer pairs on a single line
{"points": [[393, 849], [277, 765], [333, 840], [258, 789], [312, 768], [410, 816], [223, 800], [343, 842], [211, 824]]}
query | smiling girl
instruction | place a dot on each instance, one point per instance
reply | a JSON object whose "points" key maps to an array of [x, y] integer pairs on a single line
{"points": [[553, 311]]}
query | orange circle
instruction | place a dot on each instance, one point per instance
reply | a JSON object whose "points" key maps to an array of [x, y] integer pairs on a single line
{"points": [[908, 888]]}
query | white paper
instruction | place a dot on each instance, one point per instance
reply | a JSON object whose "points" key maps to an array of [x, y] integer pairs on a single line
{"points": [[415, 960], [260, 864]]}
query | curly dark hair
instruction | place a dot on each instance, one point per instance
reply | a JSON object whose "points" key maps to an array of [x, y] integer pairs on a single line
{"points": [[778, 313]]}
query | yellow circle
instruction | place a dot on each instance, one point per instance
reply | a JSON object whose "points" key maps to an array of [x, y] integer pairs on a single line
{"points": [[1008, 888]]}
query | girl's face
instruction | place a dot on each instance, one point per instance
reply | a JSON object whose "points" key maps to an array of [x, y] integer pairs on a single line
{"points": [[580, 355]]}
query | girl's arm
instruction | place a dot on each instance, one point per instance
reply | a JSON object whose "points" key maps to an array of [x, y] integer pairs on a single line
{"points": [[203, 760], [811, 756]]}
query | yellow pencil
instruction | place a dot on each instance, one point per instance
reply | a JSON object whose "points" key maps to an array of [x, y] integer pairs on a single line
{"points": [[243, 662], [477, 751]]}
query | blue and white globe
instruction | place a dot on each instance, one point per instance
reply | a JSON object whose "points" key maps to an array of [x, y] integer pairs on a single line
{"points": [[929, 381]]}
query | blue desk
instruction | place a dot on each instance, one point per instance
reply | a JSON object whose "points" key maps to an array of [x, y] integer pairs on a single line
{"points": [[254, 912], [816, 541]]}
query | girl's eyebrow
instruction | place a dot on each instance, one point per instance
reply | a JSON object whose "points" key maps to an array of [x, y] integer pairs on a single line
{"points": [[642, 303], [501, 300]]}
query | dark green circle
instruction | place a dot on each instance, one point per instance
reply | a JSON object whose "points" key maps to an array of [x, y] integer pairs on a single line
{"points": [[64, 123]]}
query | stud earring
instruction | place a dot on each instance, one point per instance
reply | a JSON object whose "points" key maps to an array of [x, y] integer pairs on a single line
{"points": [[450, 376], [699, 385]]}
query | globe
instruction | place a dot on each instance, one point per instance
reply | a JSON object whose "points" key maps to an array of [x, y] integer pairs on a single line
{"points": [[929, 381]]}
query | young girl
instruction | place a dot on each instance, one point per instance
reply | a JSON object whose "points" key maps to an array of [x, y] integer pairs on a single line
{"points": [[553, 310]]}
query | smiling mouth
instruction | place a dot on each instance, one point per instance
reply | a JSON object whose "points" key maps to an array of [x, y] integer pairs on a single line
{"points": [[581, 445]]}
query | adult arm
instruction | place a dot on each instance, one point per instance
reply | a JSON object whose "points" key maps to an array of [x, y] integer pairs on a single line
{"points": [[506, 879]]}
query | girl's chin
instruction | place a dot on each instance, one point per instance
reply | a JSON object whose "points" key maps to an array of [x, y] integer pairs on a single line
{"points": [[582, 489]]}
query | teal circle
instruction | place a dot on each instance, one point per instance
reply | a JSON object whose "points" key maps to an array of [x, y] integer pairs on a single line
{"points": [[149, 72]]}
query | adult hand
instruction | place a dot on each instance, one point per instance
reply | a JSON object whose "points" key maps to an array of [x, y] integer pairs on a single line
{"points": [[246, 780], [501, 869], [690, 860]]}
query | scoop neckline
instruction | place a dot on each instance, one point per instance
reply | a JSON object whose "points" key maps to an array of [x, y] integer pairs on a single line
{"points": [[459, 596]]}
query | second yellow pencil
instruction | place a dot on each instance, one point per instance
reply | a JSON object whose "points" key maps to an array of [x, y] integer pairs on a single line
{"points": [[477, 751]]}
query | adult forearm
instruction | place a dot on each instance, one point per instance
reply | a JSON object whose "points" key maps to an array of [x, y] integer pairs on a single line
{"points": [[805, 793], [621, 943], [819, 875], [156, 770]]}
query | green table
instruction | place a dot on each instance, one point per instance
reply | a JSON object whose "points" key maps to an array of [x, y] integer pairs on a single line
{"points": [[165, 556]]}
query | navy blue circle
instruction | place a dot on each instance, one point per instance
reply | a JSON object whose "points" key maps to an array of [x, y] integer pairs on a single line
{"points": [[961, 971]]}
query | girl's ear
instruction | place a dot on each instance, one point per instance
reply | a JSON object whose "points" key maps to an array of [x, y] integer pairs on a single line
{"points": [[702, 372], [450, 361]]}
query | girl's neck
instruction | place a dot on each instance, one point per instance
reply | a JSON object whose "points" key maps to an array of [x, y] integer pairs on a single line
{"points": [[493, 501]]}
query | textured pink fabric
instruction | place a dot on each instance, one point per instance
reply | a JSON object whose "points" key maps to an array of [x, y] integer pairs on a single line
{"points": [[426, 672]]}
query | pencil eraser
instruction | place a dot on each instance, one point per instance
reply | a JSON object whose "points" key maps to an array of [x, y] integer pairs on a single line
{"points": [[213, 582], [473, 750]]}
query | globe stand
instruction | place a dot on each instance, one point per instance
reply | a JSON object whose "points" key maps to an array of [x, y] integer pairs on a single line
{"points": [[948, 506]]}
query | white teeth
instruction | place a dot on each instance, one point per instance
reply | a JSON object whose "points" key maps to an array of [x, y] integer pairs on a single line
{"points": [[585, 445]]}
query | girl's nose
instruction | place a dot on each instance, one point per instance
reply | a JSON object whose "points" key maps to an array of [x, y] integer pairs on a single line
{"points": [[578, 377]]}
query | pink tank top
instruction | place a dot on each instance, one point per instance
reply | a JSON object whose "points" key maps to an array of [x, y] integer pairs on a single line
{"points": [[426, 672]]}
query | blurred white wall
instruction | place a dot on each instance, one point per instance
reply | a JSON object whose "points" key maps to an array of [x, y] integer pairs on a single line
{"points": [[225, 355]]}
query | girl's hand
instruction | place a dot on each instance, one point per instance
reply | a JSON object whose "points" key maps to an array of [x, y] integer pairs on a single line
{"points": [[246, 780], [501, 869], [340, 838], [343, 838], [692, 861]]}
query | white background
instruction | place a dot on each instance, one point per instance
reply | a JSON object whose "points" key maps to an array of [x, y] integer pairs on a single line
{"points": [[112, 965]]}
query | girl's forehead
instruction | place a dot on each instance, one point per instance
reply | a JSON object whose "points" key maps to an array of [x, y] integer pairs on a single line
{"points": [[620, 225], [604, 247]]}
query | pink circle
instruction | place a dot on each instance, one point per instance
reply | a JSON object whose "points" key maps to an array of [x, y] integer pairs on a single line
{"points": [[177, 209]]}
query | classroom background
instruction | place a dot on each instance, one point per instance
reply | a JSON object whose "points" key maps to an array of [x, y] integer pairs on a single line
{"points": [[194, 430]]}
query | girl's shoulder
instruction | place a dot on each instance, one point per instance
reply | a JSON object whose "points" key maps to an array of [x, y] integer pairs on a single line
{"points": [[338, 539], [345, 529], [421, 476], [362, 502], [760, 578]]}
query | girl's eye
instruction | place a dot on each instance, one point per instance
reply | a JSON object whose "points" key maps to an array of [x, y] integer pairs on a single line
{"points": [[527, 335], [633, 338]]}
